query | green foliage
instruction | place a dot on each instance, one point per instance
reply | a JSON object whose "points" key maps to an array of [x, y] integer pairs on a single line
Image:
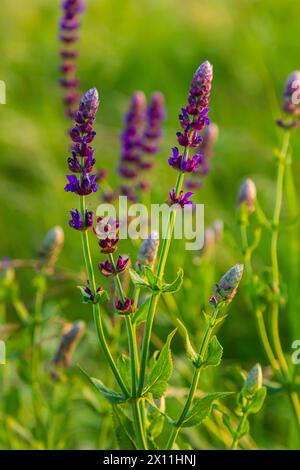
{"points": [[161, 370], [202, 408]]}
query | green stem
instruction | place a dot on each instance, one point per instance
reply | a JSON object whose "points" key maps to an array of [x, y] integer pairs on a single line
{"points": [[235, 439], [258, 313], [96, 308], [137, 419], [155, 296], [195, 381], [138, 424], [274, 255]]}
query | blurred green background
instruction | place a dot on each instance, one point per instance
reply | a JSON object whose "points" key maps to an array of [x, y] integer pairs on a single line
{"points": [[149, 45]]}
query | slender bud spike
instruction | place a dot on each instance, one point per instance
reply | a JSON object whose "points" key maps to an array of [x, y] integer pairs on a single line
{"points": [[290, 102], [254, 380], [247, 195], [51, 248], [227, 287], [148, 251]]}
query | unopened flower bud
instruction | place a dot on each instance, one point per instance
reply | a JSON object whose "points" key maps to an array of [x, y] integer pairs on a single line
{"points": [[247, 195], [89, 103], [71, 336], [254, 380], [291, 98], [148, 251], [227, 287], [51, 248]]}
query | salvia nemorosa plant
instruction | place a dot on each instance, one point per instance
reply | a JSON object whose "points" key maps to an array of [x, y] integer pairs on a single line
{"points": [[267, 297], [68, 35], [142, 381]]}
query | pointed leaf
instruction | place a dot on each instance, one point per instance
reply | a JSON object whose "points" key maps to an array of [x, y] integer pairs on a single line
{"points": [[175, 285], [141, 314], [190, 352], [161, 371], [257, 401], [202, 408], [110, 395], [124, 429], [137, 279], [214, 353], [123, 364]]}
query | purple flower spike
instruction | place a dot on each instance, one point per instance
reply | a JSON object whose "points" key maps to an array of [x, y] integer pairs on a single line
{"points": [[188, 165], [76, 220], [68, 35], [140, 137], [182, 200]]}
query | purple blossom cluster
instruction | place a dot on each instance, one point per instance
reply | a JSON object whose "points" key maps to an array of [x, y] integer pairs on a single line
{"points": [[108, 234], [193, 119], [139, 141], [82, 161], [68, 35]]}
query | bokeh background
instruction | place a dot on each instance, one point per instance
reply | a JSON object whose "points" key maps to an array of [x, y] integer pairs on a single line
{"points": [[128, 45]]}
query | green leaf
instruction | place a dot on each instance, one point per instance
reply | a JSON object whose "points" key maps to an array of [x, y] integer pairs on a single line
{"points": [[257, 400], [150, 276], [214, 353], [227, 423], [202, 408], [175, 285], [141, 314], [190, 352], [137, 279], [123, 364], [124, 429], [161, 371], [110, 395]]}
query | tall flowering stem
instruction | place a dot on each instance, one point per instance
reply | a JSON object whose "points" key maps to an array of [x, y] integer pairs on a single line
{"points": [[192, 119], [81, 182], [68, 35]]}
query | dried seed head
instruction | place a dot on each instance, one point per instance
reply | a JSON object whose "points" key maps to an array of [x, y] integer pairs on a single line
{"points": [[227, 287], [254, 380], [51, 248], [148, 251], [247, 195], [290, 101]]}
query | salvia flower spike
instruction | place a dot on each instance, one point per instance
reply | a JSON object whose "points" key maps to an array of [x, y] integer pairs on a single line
{"points": [[227, 287], [68, 35], [247, 195], [82, 161]]}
